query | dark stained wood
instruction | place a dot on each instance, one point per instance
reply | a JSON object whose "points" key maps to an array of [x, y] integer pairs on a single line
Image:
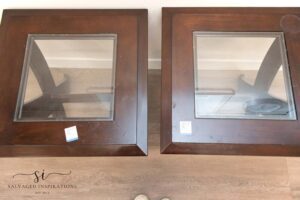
{"points": [[126, 134], [41, 69], [222, 136], [142, 104], [179, 177], [166, 82]]}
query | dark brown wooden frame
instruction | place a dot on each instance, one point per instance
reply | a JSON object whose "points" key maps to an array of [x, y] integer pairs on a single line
{"points": [[126, 134], [223, 136]]}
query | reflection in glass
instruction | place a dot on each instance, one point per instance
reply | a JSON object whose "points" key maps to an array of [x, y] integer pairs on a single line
{"points": [[242, 75], [68, 77]]}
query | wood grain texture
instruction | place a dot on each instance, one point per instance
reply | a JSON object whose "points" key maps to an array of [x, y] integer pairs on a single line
{"points": [[222, 136], [293, 165], [126, 134], [179, 177]]}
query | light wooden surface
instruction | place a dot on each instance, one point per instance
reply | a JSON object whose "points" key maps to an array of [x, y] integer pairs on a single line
{"points": [[180, 177]]}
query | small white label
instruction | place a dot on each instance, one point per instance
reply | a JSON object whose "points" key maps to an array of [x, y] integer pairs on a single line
{"points": [[71, 134], [186, 127]]}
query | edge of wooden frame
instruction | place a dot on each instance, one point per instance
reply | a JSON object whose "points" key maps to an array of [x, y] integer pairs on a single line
{"points": [[140, 148], [167, 146]]}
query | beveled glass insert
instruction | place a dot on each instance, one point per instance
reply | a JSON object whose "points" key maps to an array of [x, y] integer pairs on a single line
{"points": [[242, 75], [68, 77]]}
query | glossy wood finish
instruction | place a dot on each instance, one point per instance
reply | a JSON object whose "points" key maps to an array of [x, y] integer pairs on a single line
{"points": [[126, 134], [223, 136], [179, 177]]}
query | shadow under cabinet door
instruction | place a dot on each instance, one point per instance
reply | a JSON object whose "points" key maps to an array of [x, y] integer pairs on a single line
{"points": [[231, 84], [73, 83]]}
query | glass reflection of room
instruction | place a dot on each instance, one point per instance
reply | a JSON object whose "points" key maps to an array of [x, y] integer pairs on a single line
{"points": [[242, 75], [68, 77]]}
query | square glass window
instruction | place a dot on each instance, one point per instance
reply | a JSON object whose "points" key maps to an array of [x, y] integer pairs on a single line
{"points": [[68, 77], [242, 75]]}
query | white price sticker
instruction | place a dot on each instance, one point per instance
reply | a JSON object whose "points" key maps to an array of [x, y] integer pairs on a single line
{"points": [[71, 134], [186, 127]]}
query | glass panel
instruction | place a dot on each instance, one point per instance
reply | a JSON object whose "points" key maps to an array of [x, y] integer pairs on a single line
{"points": [[242, 75], [68, 77]]}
